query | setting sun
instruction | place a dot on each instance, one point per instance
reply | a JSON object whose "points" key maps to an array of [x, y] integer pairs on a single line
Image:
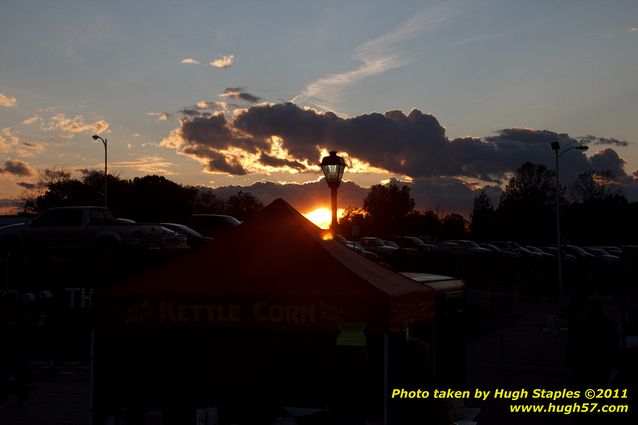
{"points": [[321, 216]]}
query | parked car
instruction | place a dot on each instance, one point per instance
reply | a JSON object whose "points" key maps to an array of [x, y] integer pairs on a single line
{"points": [[377, 246], [602, 256], [578, 252], [357, 247], [74, 231], [451, 247], [470, 246], [173, 241], [402, 250], [498, 251], [612, 250], [538, 251], [194, 239], [213, 225], [516, 248], [564, 255], [413, 243]]}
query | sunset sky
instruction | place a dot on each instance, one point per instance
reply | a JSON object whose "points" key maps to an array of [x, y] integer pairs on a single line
{"points": [[448, 95]]}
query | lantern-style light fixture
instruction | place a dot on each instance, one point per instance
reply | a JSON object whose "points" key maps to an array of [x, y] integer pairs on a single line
{"points": [[333, 167]]}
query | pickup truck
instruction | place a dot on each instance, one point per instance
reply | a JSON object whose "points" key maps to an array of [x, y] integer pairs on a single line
{"points": [[73, 231]]}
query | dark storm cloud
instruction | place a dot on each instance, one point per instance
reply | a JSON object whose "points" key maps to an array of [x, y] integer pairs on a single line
{"points": [[593, 140], [16, 168], [608, 160], [515, 146], [302, 130], [414, 144], [214, 132], [27, 185], [280, 162], [239, 93], [190, 112], [219, 163]]}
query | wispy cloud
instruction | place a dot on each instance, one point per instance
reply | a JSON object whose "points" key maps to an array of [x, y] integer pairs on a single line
{"points": [[377, 56], [7, 101], [508, 31], [75, 125], [190, 61], [36, 119], [222, 61], [10, 144], [8, 140], [160, 116], [147, 164]]}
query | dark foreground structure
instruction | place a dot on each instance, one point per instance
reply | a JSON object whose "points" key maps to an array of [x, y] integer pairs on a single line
{"points": [[274, 315]]}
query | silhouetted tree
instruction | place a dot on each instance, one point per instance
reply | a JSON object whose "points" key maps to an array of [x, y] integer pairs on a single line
{"points": [[424, 223], [454, 226], [354, 216], [601, 208], [157, 199], [150, 198], [205, 201], [526, 208], [243, 205], [388, 205], [595, 186], [56, 188], [482, 218]]}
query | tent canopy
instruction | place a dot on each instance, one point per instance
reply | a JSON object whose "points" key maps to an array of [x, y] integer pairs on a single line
{"points": [[276, 272]]}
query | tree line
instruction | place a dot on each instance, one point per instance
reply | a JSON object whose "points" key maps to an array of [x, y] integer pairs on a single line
{"points": [[150, 198], [594, 209]]}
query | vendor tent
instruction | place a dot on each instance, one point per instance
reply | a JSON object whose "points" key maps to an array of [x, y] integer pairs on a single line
{"points": [[266, 310], [277, 272]]}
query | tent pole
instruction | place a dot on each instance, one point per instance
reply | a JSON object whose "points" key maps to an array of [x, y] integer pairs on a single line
{"points": [[385, 378], [91, 377]]}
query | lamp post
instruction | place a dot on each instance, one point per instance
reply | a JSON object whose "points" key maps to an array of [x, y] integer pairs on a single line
{"points": [[557, 154], [333, 167], [104, 142]]}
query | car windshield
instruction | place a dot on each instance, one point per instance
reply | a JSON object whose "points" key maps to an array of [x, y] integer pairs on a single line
{"points": [[180, 228], [390, 243], [415, 241], [470, 244], [576, 249]]}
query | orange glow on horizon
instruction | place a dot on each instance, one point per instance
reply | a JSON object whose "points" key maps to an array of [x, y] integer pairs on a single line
{"points": [[322, 216]]}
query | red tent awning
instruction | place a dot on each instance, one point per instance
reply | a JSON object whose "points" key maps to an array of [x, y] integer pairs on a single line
{"points": [[275, 272]]}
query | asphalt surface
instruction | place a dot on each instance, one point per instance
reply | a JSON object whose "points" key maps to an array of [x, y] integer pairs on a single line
{"points": [[513, 342]]}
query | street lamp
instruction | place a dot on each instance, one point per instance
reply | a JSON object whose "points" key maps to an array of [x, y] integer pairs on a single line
{"points": [[556, 148], [96, 137], [333, 167]]}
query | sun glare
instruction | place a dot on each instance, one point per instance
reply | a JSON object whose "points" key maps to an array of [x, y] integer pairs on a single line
{"points": [[321, 216]]}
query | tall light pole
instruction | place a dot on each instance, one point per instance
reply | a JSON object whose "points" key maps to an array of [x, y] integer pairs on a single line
{"points": [[333, 167], [557, 154], [96, 137]]}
